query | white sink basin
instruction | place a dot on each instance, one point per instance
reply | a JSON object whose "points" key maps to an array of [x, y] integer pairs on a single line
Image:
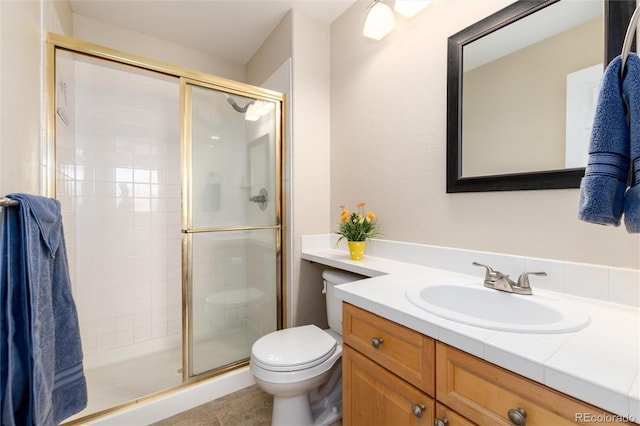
{"points": [[498, 310]]}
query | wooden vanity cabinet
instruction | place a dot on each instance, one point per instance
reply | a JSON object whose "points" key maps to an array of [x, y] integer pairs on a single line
{"points": [[388, 372], [396, 376]]}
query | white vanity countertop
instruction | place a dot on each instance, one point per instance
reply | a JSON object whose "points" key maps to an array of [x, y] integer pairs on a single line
{"points": [[599, 364]]}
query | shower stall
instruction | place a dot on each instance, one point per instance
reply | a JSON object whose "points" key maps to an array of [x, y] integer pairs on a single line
{"points": [[170, 183]]}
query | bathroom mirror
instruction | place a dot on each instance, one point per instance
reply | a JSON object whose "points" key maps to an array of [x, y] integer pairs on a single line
{"points": [[511, 108]]}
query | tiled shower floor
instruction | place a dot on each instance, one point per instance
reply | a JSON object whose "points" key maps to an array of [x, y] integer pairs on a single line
{"points": [[120, 382]]}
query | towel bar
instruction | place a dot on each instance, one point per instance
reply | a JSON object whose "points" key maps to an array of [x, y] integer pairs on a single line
{"points": [[4, 201], [628, 38]]}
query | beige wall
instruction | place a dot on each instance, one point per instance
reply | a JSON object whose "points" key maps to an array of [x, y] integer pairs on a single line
{"points": [[311, 156], [275, 50], [388, 147]]}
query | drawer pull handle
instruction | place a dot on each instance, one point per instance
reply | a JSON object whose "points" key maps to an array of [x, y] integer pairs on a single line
{"points": [[376, 341], [440, 422], [517, 416], [418, 409]]}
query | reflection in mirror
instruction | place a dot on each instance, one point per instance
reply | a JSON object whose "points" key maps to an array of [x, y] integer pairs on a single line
{"points": [[515, 83], [522, 87]]}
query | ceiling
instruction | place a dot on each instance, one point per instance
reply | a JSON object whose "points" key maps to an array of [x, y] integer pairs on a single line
{"points": [[230, 29]]}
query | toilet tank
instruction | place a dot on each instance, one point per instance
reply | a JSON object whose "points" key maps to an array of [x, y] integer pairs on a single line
{"points": [[333, 277]]}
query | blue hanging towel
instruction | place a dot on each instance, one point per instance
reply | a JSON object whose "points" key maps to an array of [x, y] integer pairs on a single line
{"points": [[605, 180], [15, 342], [631, 91], [37, 303]]}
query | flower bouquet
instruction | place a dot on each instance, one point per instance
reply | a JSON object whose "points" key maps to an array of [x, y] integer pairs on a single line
{"points": [[357, 227]]}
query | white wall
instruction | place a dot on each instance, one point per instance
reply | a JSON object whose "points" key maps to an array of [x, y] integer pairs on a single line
{"points": [[108, 35], [388, 148], [20, 96], [23, 25]]}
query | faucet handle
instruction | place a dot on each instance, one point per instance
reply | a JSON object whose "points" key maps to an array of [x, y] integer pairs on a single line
{"points": [[488, 268], [523, 279], [491, 274]]}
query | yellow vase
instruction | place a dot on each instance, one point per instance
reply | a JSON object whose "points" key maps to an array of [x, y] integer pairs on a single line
{"points": [[356, 249]]}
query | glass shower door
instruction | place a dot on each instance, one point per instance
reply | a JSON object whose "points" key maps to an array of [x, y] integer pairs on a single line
{"points": [[231, 224]]}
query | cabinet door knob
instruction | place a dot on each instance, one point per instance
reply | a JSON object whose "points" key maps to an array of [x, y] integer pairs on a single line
{"points": [[440, 422], [517, 416], [417, 409], [376, 341]]}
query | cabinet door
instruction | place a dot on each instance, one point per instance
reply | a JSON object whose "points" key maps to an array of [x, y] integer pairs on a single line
{"points": [[374, 396]]}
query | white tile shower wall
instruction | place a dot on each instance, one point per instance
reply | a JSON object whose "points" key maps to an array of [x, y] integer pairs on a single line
{"points": [[65, 145], [600, 282], [127, 205]]}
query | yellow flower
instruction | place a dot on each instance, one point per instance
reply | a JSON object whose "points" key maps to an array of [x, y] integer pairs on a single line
{"points": [[344, 215], [371, 216]]}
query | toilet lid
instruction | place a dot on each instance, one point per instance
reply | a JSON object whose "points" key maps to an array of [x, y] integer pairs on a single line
{"points": [[293, 349]]}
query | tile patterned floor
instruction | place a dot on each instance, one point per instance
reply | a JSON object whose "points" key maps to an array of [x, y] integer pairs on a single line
{"points": [[247, 407]]}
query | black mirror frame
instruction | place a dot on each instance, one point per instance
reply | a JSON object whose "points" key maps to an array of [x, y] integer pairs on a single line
{"points": [[617, 14]]}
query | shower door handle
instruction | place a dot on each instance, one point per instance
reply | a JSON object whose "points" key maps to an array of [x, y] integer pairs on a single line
{"points": [[262, 199]]}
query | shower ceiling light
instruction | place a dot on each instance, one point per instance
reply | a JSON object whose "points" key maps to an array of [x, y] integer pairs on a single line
{"points": [[409, 8], [380, 21], [258, 109]]}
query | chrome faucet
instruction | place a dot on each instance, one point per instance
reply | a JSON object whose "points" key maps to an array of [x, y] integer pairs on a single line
{"points": [[499, 281]]}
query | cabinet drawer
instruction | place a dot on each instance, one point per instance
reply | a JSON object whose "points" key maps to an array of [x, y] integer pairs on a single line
{"points": [[484, 393], [404, 352], [374, 396]]}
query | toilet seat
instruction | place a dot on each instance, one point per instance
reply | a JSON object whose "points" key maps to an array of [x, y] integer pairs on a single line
{"points": [[293, 349]]}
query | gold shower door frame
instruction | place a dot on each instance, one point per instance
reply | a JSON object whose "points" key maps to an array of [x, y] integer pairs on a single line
{"points": [[186, 77]]}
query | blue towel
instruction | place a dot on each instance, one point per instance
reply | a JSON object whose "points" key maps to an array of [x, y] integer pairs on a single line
{"points": [[56, 384], [631, 90], [15, 344], [603, 187]]}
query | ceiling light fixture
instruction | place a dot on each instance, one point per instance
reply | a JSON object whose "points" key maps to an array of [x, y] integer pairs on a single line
{"points": [[258, 109], [380, 21], [409, 8]]}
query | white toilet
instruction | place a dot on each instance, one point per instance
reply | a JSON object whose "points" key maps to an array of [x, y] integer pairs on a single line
{"points": [[301, 366]]}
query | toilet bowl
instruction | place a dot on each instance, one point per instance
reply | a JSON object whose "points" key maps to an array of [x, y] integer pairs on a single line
{"points": [[301, 366]]}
